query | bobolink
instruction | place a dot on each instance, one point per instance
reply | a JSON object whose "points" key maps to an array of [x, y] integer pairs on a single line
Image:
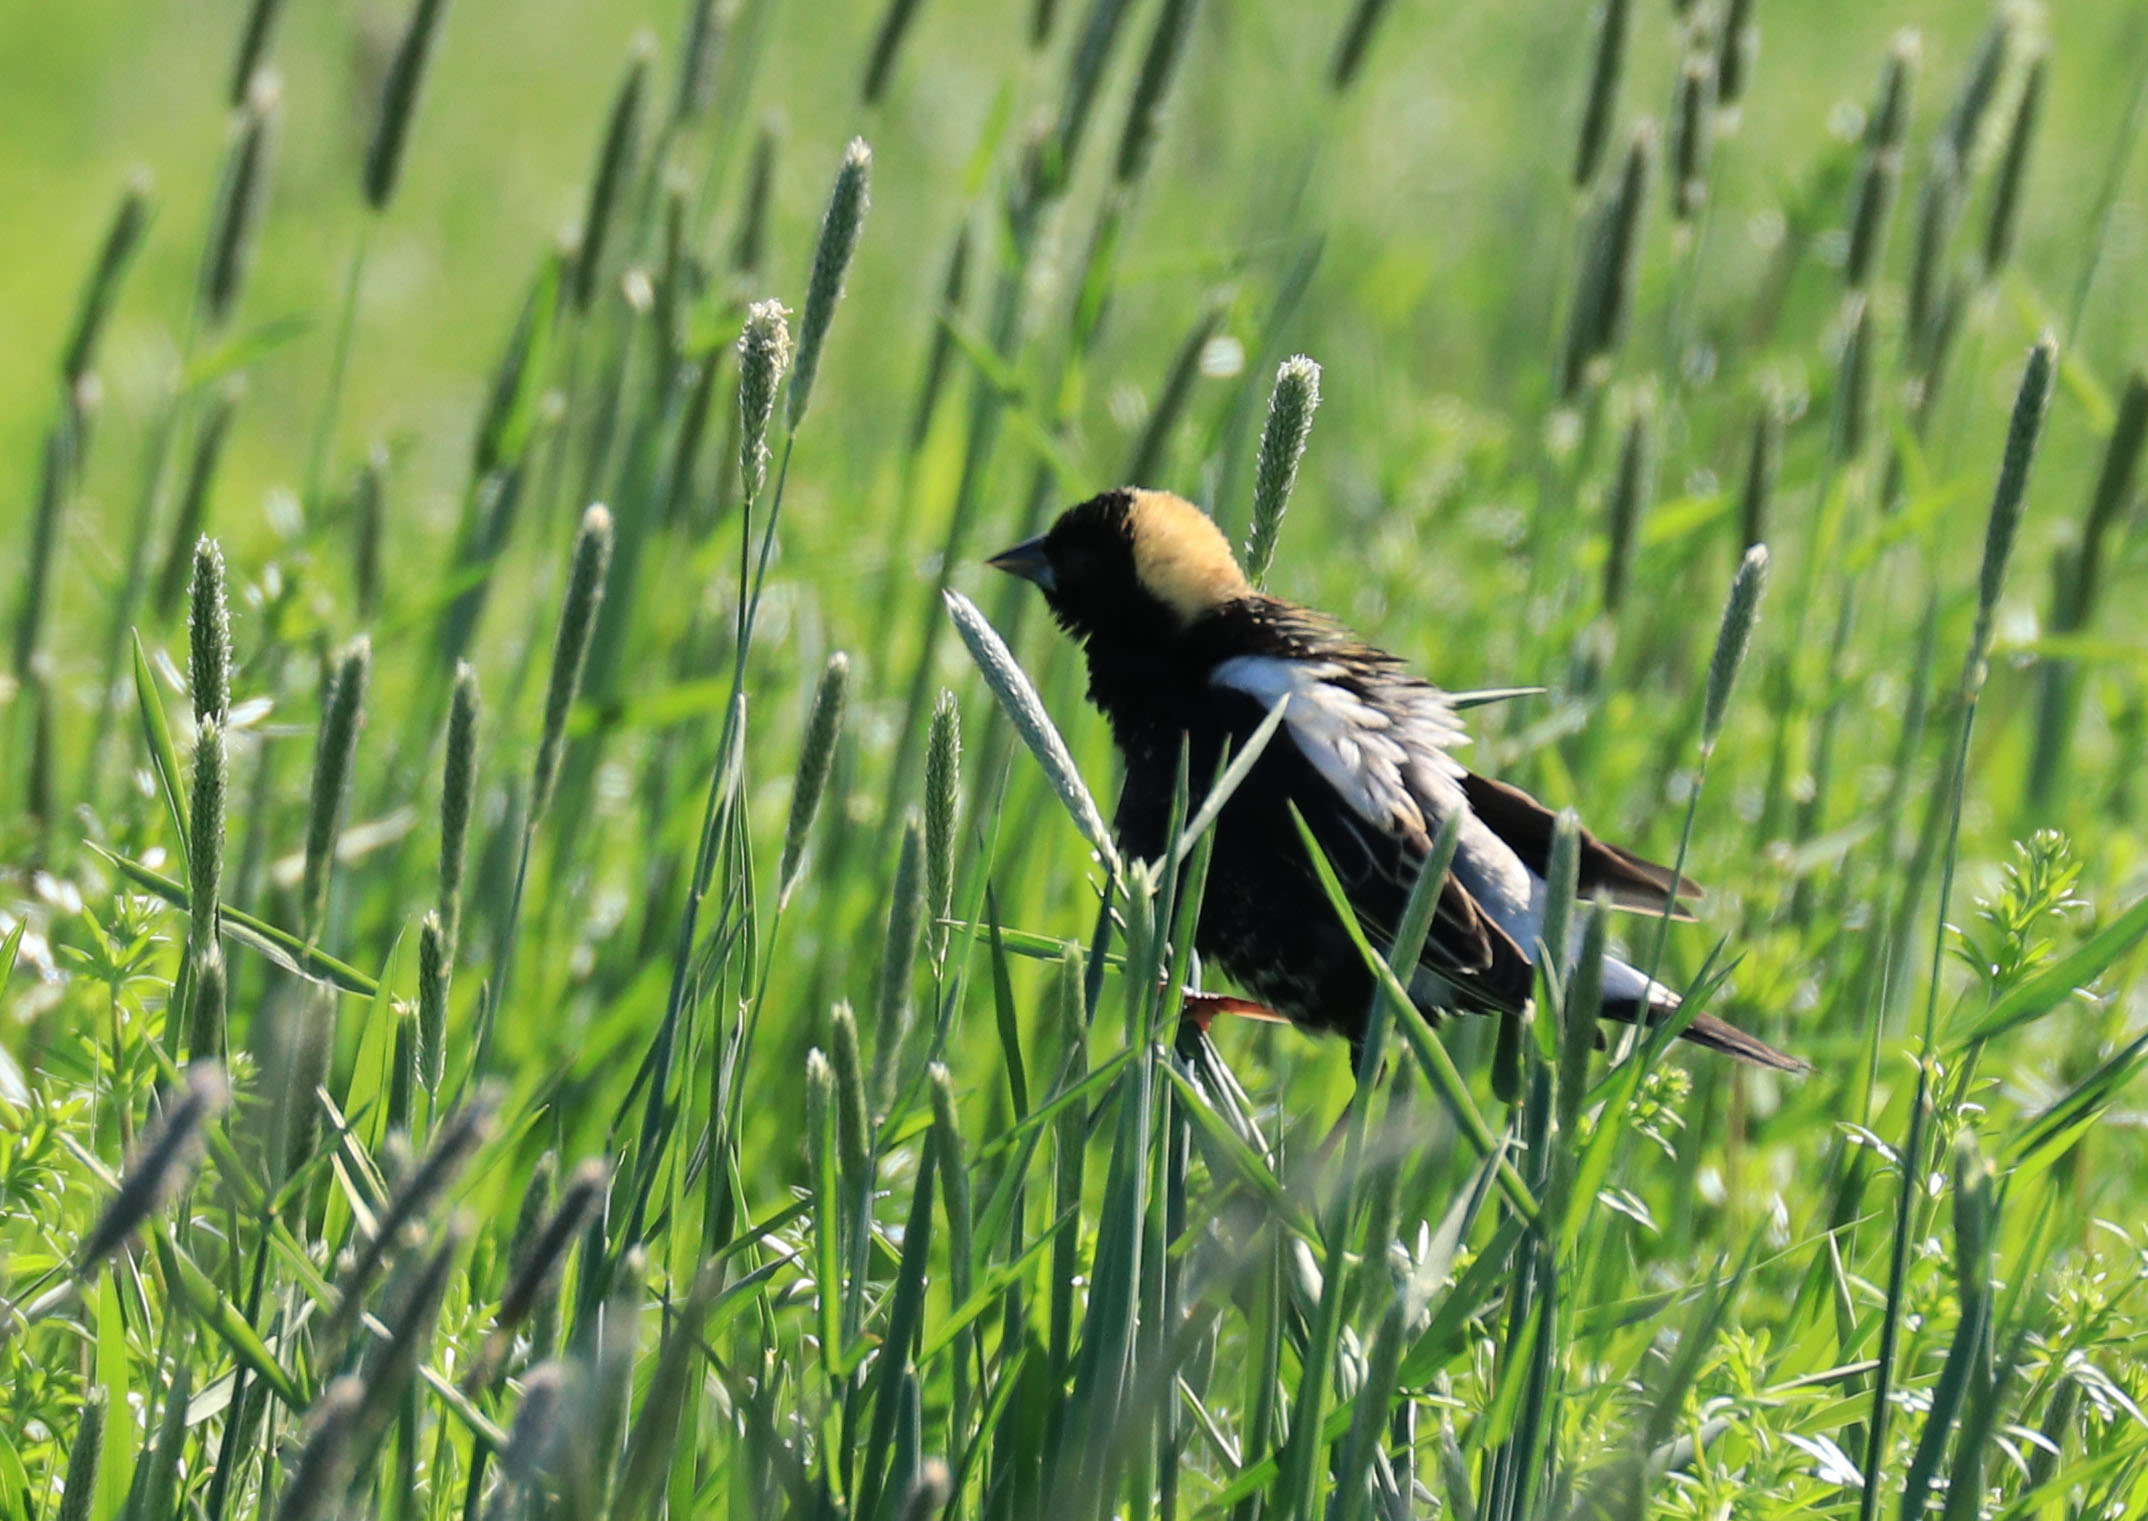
{"points": [[1183, 652]]}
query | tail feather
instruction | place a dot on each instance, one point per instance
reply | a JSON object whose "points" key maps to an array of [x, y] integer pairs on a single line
{"points": [[1719, 1035], [1706, 1030]]}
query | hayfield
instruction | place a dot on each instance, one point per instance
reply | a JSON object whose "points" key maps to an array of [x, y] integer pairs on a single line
{"points": [[556, 952]]}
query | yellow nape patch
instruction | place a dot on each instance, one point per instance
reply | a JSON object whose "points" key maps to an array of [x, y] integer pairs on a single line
{"points": [[1181, 557]]}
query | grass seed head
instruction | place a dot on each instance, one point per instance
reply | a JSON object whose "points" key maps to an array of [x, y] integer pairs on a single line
{"points": [[1938, 208], [209, 634], [541, 1422], [1283, 438], [1603, 291], [615, 168], [583, 1192], [887, 44], [764, 352], [2121, 459], [399, 102], [342, 715], [1853, 383], [586, 573], [840, 225], [1880, 172], [84, 1456], [816, 759], [1355, 43], [749, 250], [1763, 460], [1018, 699], [458, 793], [1692, 134], [1159, 68], [122, 240], [324, 1462], [1601, 103], [898, 964], [1631, 491], [253, 46], [241, 193], [1964, 127], [368, 515], [1973, 1217], [163, 1162], [852, 1126], [1738, 51], [943, 797], [708, 28], [2010, 496], [929, 1491], [1731, 640], [460, 1135], [2013, 173]]}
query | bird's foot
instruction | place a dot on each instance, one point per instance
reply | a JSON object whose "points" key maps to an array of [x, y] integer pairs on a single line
{"points": [[1201, 1009]]}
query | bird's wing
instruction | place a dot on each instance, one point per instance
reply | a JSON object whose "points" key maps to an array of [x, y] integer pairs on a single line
{"points": [[1625, 879], [1389, 784]]}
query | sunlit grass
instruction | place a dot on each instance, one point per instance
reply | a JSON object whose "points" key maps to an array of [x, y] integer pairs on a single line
{"points": [[733, 1070]]}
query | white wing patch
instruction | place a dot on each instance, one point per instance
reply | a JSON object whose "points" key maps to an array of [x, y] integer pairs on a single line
{"points": [[1389, 764]]}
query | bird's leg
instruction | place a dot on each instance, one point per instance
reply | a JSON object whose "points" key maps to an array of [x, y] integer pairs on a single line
{"points": [[1202, 1008]]}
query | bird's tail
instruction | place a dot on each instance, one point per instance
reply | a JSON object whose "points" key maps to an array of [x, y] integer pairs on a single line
{"points": [[1703, 1029], [1721, 1035], [1627, 991]]}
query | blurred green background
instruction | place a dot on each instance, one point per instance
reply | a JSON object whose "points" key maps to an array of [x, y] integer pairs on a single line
{"points": [[1418, 233], [1437, 185]]}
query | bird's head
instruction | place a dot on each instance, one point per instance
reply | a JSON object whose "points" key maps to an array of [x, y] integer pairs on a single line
{"points": [[1129, 564]]}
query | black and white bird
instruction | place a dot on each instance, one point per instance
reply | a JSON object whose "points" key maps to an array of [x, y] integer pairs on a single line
{"points": [[1184, 653]]}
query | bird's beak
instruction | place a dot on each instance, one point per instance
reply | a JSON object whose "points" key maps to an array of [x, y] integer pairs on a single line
{"points": [[1027, 560]]}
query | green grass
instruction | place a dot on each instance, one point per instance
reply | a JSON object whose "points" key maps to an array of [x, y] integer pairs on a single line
{"points": [[676, 1036]]}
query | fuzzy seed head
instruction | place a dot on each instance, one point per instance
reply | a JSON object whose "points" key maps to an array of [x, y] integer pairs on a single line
{"points": [[1159, 67], [241, 193], [615, 165], [1739, 615], [1692, 135], [209, 634], [1631, 491], [1282, 446], [570, 649], [1762, 461], [891, 1003], [1017, 696], [121, 241], [2011, 494], [816, 758], [163, 1162], [2013, 171], [342, 715], [1739, 49], [943, 789], [850, 1114], [764, 353], [839, 229], [458, 792], [399, 103], [1602, 100]]}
